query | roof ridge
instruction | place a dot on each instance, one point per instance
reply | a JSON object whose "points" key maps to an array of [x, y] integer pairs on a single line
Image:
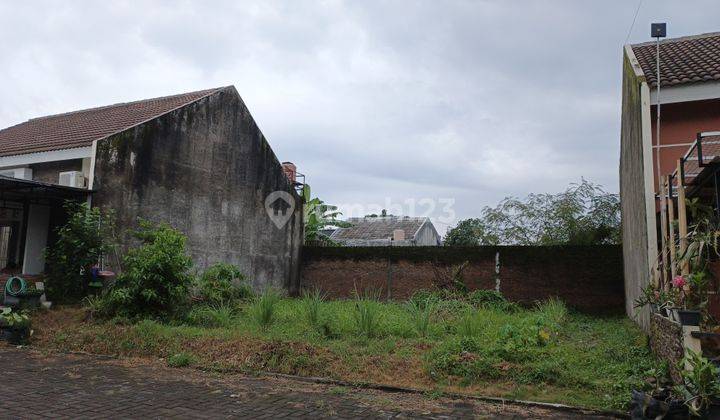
{"points": [[82, 127], [678, 39], [158, 98]]}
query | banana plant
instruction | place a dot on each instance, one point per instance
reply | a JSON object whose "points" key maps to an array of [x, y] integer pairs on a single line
{"points": [[319, 216]]}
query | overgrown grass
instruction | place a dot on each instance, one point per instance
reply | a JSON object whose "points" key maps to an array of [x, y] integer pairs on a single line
{"points": [[488, 347]]}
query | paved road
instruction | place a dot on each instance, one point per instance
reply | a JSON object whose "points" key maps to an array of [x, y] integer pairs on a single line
{"points": [[34, 385]]}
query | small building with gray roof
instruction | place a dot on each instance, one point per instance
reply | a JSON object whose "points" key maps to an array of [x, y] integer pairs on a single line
{"points": [[388, 231]]}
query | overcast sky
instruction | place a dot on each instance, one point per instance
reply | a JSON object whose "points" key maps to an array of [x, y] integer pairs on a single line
{"points": [[376, 102]]}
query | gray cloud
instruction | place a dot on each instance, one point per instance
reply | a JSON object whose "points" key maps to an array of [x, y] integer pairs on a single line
{"points": [[470, 100]]}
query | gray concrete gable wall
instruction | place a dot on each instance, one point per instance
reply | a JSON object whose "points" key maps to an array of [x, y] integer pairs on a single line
{"points": [[205, 169], [632, 194]]}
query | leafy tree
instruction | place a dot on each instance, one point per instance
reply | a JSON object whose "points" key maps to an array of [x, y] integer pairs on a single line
{"points": [[156, 278], [319, 216], [87, 235], [584, 214]]}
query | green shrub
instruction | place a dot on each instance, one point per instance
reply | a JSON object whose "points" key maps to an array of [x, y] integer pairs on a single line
{"points": [[483, 297], [470, 358], [179, 360], [423, 297], [264, 307], [87, 235], [222, 284], [155, 281], [312, 304]]}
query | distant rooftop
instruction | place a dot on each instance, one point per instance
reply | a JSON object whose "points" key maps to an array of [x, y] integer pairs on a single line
{"points": [[371, 228], [686, 60], [81, 128]]}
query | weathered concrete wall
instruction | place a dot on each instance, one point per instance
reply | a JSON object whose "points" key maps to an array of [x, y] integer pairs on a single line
{"points": [[633, 194], [586, 278], [205, 169]]}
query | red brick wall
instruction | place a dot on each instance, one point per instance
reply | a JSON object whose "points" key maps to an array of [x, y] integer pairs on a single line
{"points": [[589, 279]]}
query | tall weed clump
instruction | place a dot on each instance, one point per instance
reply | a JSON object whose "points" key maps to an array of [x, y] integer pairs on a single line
{"points": [[469, 324], [156, 279], [264, 308], [553, 311], [312, 302], [421, 313], [367, 314]]}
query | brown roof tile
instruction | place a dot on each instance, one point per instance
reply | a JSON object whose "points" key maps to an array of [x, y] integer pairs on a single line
{"points": [[692, 59], [81, 128]]}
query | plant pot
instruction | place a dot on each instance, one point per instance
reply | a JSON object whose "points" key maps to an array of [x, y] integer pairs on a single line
{"points": [[29, 301], [663, 311], [95, 288], [15, 336], [648, 406], [689, 317], [673, 314], [12, 301]]}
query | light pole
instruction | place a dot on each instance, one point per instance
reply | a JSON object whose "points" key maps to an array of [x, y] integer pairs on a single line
{"points": [[657, 30]]}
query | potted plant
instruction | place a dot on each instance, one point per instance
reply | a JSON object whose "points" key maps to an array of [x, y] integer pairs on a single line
{"points": [[14, 326], [658, 402], [30, 298], [693, 295], [658, 300], [701, 387]]}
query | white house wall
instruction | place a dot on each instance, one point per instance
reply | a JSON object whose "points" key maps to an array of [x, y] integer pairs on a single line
{"points": [[36, 239]]}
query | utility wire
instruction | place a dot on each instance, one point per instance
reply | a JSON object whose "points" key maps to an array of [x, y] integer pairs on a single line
{"points": [[632, 25]]}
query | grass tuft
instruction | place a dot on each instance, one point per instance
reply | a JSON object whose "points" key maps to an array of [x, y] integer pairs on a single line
{"points": [[367, 315], [313, 303], [179, 360], [421, 313], [264, 308]]}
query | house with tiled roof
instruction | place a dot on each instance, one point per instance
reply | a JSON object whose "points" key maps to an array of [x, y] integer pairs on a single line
{"points": [[689, 95], [197, 161], [387, 231]]}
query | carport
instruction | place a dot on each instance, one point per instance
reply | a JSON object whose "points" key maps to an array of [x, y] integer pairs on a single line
{"points": [[30, 212]]}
